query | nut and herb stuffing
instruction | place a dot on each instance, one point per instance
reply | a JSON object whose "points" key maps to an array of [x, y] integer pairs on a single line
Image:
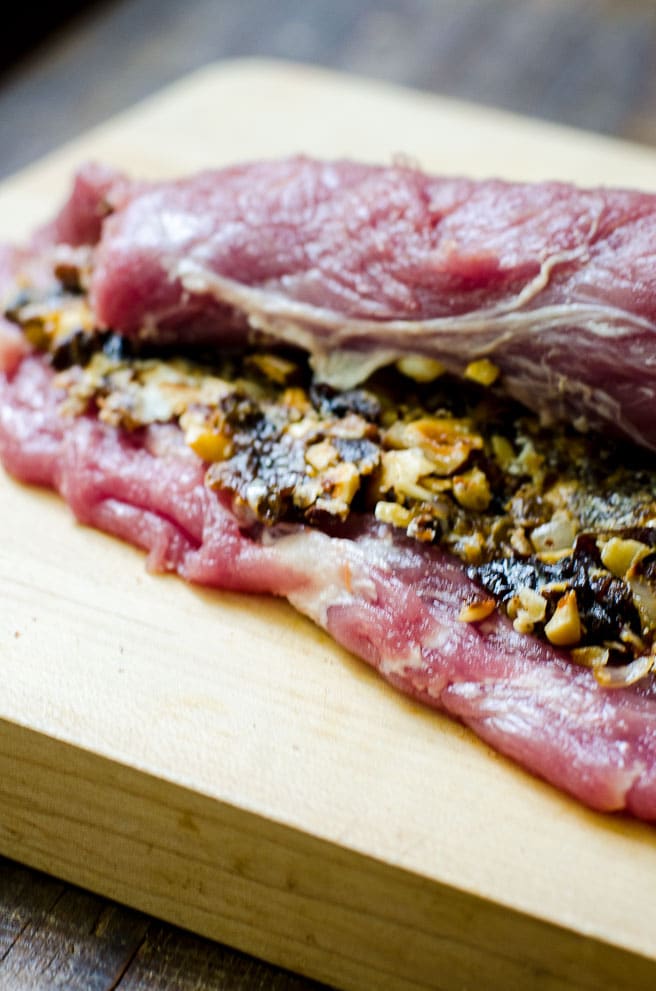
{"points": [[557, 528]]}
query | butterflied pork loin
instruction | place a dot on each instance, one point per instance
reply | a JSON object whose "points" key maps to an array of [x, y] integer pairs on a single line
{"points": [[342, 259]]}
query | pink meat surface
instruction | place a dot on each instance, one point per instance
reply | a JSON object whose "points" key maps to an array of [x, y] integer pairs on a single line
{"points": [[390, 601], [97, 190], [557, 285]]}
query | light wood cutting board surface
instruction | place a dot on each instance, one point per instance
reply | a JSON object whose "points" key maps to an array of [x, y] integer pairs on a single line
{"points": [[217, 760]]}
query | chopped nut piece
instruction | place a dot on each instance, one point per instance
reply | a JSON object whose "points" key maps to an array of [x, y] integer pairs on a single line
{"points": [[304, 429], [520, 542], [644, 597], [393, 513], [528, 462], [483, 371], [591, 657], [564, 627], [49, 324], [339, 484], [553, 557], [503, 451], [296, 398], [556, 535], [438, 484], [472, 490], [629, 637], [619, 555], [533, 603], [307, 492], [402, 471], [526, 608], [627, 674], [210, 445], [420, 368], [276, 368], [523, 622], [256, 493], [321, 455], [475, 612], [447, 441], [554, 587], [470, 547], [562, 495], [423, 527], [350, 427]]}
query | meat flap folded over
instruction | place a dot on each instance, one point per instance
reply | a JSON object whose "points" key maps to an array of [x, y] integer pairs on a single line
{"points": [[360, 264]]}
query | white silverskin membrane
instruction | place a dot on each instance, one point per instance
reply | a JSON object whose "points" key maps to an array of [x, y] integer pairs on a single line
{"points": [[342, 355]]}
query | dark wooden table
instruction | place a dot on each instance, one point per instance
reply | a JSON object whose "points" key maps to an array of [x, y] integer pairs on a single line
{"points": [[589, 63]]}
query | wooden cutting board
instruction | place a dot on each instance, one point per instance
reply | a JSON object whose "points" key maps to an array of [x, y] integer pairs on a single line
{"points": [[216, 760]]}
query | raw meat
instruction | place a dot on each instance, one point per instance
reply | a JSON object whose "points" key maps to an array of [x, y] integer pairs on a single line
{"points": [[393, 602], [360, 264]]}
